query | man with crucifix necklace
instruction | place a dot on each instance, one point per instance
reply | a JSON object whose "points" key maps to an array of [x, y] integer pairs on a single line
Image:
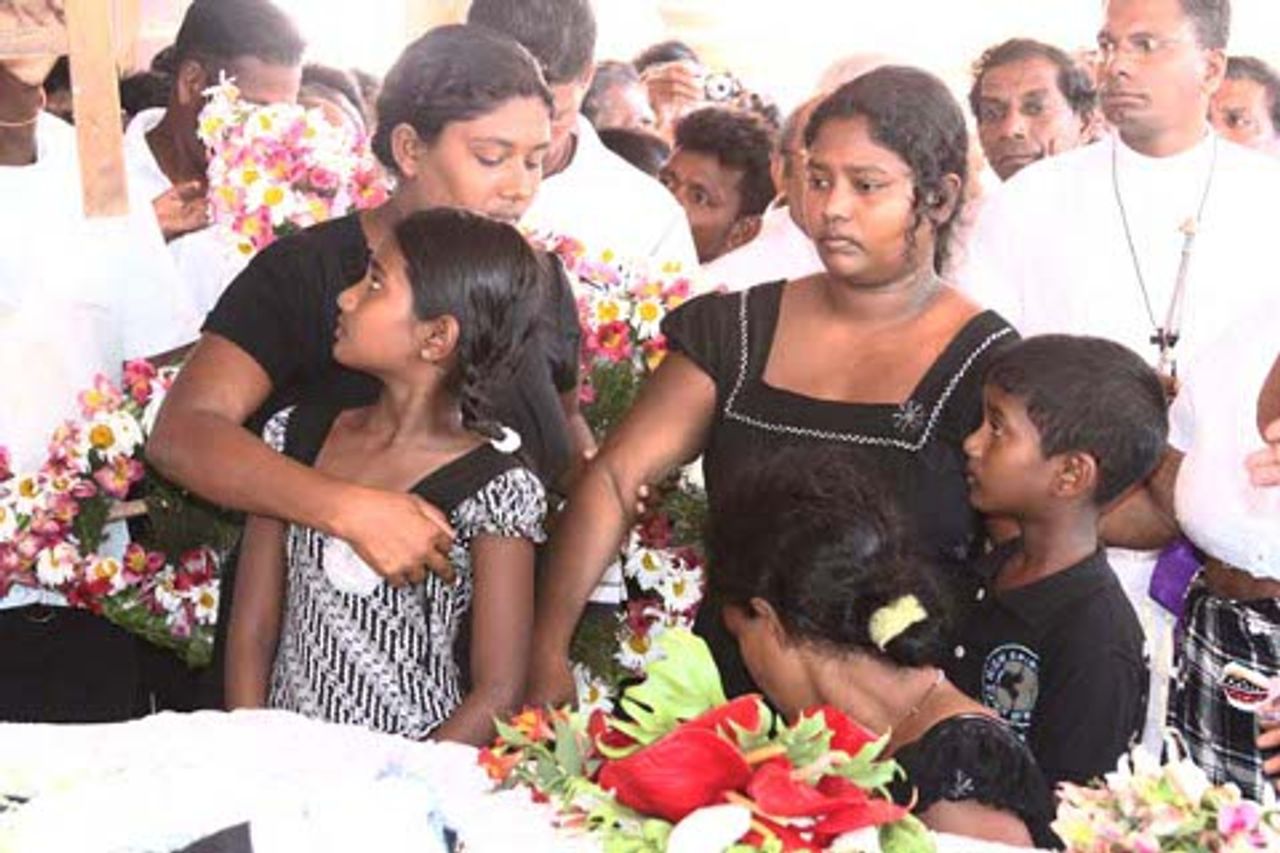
{"points": [[1152, 237]]}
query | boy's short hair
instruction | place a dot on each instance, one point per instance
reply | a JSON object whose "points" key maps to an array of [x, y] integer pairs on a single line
{"points": [[738, 140], [215, 32], [1093, 396]]}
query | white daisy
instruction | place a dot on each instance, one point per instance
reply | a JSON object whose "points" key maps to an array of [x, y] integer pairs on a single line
{"points": [[648, 567], [647, 317], [107, 569], [57, 565], [681, 589], [593, 693], [205, 598]]}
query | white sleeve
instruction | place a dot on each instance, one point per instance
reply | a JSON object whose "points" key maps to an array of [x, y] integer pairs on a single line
{"points": [[990, 273], [675, 243], [1182, 414], [153, 309]]}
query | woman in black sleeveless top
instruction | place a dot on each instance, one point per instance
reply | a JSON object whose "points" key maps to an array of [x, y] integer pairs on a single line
{"points": [[875, 353]]}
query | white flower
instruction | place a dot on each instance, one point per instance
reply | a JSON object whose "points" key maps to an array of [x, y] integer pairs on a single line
{"points": [[647, 317], [27, 494], [205, 598], [648, 567], [593, 693], [710, 829], [1188, 780], [8, 521], [681, 589], [637, 651], [166, 595], [57, 565], [107, 569], [609, 309]]}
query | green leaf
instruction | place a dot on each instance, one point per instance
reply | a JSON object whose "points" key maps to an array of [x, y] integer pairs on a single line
{"points": [[679, 687], [866, 770], [567, 754], [806, 741], [90, 522], [908, 835]]}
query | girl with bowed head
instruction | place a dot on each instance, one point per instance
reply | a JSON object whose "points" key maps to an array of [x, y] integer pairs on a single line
{"points": [[829, 607], [449, 301], [464, 121], [876, 351]]}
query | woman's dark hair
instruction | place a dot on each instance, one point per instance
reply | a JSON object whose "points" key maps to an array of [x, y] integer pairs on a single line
{"points": [[332, 84], [644, 150], [453, 73], [487, 276], [911, 113], [809, 532], [143, 91]]}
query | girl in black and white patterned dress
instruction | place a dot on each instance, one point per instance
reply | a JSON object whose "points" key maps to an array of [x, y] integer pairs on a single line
{"points": [[442, 314]]}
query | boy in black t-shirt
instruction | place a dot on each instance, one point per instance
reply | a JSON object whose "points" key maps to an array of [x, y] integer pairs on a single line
{"points": [[1050, 641]]}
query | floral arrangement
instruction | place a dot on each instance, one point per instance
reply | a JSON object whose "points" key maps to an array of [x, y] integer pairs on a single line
{"points": [[53, 523], [621, 307], [277, 168], [684, 766], [1147, 807]]}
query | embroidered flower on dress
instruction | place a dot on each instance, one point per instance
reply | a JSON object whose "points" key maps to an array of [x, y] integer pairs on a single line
{"points": [[909, 417]]}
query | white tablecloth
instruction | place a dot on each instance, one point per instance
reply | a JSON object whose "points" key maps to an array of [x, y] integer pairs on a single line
{"points": [[167, 780]]}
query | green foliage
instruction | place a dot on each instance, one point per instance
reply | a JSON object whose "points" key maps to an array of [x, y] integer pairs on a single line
{"points": [[679, 687], [129, 612], [90, 522], [178, 521], [907, 835], [616, 386]]}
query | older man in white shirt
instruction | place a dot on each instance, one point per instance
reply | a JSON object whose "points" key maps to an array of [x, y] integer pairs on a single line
{"points": [[78, 297], [1154, 238], [589, 193]]}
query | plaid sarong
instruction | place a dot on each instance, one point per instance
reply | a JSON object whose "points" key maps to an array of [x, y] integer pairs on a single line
{"points": [[1217, 631]]}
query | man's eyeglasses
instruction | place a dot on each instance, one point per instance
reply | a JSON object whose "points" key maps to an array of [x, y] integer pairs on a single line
{"points": [[1140, 47]]}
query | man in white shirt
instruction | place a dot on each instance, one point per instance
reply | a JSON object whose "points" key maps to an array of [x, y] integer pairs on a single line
{"points": [[589, 193], [255, 44], [1155, 238], [1246, 108], [78, 297], [782, 249]]}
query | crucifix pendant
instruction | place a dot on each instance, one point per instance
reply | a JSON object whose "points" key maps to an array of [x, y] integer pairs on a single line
{"points": [[1166, 341]]}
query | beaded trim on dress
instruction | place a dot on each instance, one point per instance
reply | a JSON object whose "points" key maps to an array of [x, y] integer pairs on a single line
{"points": [[908, 416]]}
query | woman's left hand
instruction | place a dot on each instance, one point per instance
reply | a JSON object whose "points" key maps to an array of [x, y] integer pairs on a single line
{"points": [[1264, 466]]}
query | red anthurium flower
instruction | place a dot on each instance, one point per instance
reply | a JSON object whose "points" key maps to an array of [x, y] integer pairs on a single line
{"points": [[792, 840], [602, 734], [777, 792], [870, 813], [687, 769], [846, 735], [744, 710]]}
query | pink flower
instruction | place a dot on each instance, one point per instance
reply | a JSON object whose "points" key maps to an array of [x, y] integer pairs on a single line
{"points": [[612, 341], [6, 469], [116, 478], [1239, 818], [104, 396], [138, 376], [140, 563]]}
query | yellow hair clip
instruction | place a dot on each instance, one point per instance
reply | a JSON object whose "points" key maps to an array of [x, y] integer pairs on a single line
{"points": [[890, 621]]}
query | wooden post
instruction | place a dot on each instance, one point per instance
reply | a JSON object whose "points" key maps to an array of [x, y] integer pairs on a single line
{"points": [[96, 100]]}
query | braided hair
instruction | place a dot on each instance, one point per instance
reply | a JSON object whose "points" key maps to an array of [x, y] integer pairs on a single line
{"points": [[484, 274]]}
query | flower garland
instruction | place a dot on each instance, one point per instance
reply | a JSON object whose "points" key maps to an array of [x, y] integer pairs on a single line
{"points": [[1148, 807], [277, 168], [686, 769], [621, 306], [53, 523]]}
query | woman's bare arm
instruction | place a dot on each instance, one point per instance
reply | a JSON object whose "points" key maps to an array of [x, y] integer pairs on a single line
{"points": [[667, 427], [501, 623], [200, 443], [1145, 518]]}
